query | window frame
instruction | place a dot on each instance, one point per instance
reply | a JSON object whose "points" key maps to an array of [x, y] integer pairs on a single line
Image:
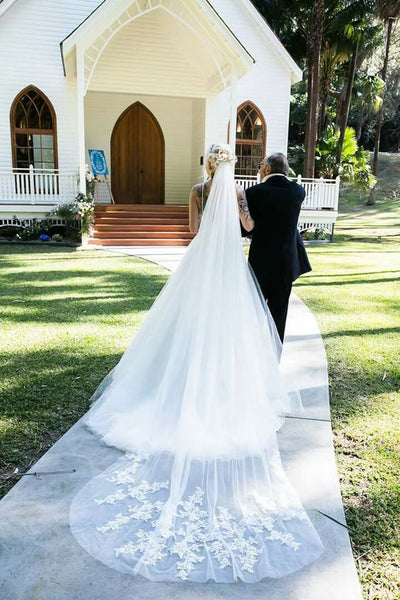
{"points": [[251, 142], [32, 131]]}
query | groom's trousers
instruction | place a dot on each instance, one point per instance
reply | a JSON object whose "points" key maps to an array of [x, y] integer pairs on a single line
{"points": [[277, 297]]}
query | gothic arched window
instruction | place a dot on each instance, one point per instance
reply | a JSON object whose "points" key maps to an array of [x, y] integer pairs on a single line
{"points": [[33, 131], [250, 139]]}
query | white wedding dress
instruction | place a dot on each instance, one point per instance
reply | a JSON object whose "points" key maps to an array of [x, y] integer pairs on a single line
{"points": [[195, 403]]}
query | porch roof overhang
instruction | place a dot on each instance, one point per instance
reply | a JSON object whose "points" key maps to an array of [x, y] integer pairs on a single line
{"points": [[201, 43]]}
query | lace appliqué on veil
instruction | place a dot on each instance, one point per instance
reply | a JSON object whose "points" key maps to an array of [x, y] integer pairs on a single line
{"points": [[194, 533]]}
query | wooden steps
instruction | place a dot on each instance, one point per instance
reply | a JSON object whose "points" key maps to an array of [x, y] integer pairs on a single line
{"points": [[141, 225]]}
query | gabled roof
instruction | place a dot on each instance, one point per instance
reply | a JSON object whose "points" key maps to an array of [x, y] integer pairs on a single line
{"points": [[275, 43], [220, 51]]}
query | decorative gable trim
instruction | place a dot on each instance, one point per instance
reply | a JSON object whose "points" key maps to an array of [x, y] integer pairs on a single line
{"points": [[4, 5]]}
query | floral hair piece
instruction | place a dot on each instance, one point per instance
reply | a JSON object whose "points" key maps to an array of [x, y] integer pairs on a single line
{"points": [[219, 153]]}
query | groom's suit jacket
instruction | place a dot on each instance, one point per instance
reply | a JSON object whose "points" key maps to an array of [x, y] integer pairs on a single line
{"points": [[276, 251]]}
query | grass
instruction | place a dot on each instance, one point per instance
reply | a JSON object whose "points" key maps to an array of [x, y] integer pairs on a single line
{"points": [[66, 317], [354, 292]]}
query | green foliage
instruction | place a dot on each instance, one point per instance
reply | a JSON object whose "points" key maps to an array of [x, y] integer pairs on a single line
{"points": [[354, 164], [8, 231], [367, 92], [32, 230], [347, 25], [65, 211], [296, 158], [78, 212], [318, 234]]}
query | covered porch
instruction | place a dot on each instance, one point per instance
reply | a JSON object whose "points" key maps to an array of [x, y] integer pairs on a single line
{"points": [[151, 79], [144, 72]]}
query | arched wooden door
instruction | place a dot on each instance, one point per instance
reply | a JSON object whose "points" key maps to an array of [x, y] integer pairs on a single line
{"points": [[137, 158]]}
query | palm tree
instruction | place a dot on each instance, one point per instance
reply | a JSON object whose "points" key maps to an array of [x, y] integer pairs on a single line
{"points": [[314, 44], [333, 55], [389, 11], [363, 36], [367, 98]]}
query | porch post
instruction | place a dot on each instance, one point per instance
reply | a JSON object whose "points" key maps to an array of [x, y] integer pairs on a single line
{"points": [[80, 95], [233, 110]]}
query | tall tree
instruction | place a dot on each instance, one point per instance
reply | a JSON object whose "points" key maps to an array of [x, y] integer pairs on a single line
{"points": [[389, 11], [322, 35], [364, 38], [367, 99], [333, 55], [314, 44]]}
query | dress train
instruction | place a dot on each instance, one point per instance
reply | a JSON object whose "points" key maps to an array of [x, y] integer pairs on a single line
{"points": [[195, 403]]}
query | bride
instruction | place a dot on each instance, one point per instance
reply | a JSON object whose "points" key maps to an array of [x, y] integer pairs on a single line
{"points": [[194, 403]]}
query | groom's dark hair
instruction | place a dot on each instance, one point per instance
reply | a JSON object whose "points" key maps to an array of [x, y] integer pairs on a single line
{"points": [[278, 163]]}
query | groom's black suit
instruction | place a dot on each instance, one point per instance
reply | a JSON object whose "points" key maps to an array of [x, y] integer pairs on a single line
{"points": [[277, 254]]}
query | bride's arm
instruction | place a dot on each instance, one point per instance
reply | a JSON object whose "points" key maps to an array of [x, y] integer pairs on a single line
{"points": [[244, 213], [194, 215]]}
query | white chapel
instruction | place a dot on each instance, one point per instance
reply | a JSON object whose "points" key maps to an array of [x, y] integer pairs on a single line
{"points": [[152, 83]]}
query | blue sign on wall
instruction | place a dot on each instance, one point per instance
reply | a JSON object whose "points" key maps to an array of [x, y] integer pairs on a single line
{"points": [[98, 162]]}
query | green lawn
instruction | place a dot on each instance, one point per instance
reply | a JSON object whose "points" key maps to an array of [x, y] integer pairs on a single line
{"points": [[354, 291], [66, 316]]}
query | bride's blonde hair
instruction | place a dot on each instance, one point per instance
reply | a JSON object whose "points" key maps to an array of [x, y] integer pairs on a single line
{"points": [[217, 154]]}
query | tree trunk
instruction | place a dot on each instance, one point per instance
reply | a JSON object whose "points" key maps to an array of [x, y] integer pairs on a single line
{"points": [[313, 63], [309, 153], [379, 115], [324, 99], [372, 200], [360, 123], [346, 104]]}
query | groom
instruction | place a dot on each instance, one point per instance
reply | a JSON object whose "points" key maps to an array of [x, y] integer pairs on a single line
{"points": [[277, 254]]}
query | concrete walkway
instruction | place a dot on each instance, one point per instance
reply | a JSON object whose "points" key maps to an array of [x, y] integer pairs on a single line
{"points": [[40, 560]]}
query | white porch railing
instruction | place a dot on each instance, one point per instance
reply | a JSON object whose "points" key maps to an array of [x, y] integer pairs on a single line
{"points": [[320, 206], [49, 188], [321, 194], [246, 182], [37, 186]]}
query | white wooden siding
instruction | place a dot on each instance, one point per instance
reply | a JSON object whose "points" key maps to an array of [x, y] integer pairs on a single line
{"points": [[154, 54], [30, 34], [198, 139]]}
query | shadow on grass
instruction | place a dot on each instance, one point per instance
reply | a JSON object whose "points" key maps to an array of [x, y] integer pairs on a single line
{"points": [[361, 332], [310, 281], [45, 390], [362, 390], [342, 249], [45, 393], [370, 533], [30, 297], [338, 276]]}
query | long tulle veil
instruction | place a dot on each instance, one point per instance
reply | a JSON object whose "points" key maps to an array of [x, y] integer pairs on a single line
{"points": [[195, 402]]}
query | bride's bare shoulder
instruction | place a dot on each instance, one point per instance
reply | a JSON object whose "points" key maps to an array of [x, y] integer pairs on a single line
{"points": [[197, 187]]}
